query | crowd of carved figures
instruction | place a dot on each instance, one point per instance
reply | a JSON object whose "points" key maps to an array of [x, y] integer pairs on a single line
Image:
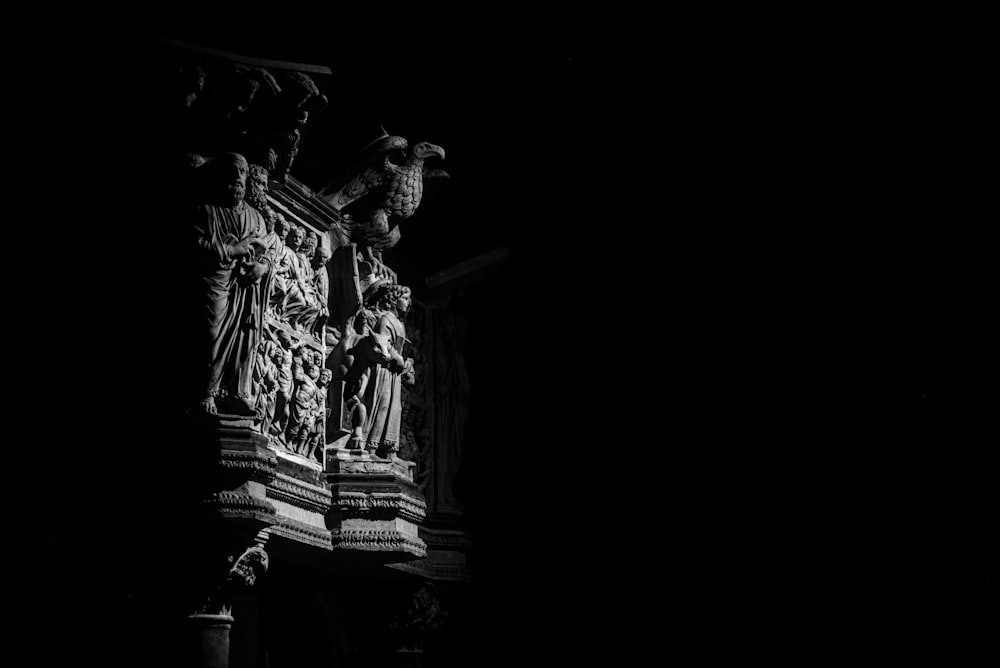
{"points": [[267, 293], [309, 362]]}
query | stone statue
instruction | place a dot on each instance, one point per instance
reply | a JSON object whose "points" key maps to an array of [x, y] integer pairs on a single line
{"points": [[321, 281], [229, 255], [266, 380], [366, 361], [382, 194], [384, 393], [284, 265], [314, 259], [284, 354], [302, 309], [302, 416], [317, 437]]}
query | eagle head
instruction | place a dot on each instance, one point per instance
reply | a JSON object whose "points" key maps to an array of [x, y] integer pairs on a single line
{"points": [[426, 149]]}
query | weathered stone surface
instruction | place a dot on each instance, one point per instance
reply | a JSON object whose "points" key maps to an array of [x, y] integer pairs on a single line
{"points": [[376, 507]]}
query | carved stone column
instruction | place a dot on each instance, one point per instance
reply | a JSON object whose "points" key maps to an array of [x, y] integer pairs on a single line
{"points": [[220, 538], [207, 630]]}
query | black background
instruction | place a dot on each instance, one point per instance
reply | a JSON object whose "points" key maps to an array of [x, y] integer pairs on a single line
{"points": [[733, 389]]}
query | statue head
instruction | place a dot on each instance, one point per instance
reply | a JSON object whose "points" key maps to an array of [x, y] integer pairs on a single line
{"points": [[309, 244], [256, 194], [295, 237], [325, 376], [281, 225], [277, 353], [320, 257], [395, 296], [228, 174]]}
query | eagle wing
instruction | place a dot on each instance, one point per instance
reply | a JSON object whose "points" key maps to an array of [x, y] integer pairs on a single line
{"points": [[369, 173]]}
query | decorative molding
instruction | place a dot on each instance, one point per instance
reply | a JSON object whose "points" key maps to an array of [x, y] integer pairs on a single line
{"points": [[410, 508], [377, 540], [302, 533], [458, 541], [373, 466], [233, 504], [261, 466], [300, 494]]}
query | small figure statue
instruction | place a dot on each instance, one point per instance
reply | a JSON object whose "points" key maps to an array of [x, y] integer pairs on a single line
{"points": [[266, 380], [302, 416], [284, 353], [284, 266], [317, 439], [321, 288]]}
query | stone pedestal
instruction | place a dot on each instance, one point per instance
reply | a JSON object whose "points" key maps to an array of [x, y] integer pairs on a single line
{"points": [[208, 641], [376, 506]]}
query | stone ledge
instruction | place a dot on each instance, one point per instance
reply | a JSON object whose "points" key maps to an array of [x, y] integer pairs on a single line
{"points": [[446, 539], [236, 505], [299, 493], [378, 540], [302, 533], [359, 501], [355, 462]]}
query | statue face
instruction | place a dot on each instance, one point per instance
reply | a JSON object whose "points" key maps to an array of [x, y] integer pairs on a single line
{"points": [[233, 171], [321, 257], [403, 303], [258, 180]]}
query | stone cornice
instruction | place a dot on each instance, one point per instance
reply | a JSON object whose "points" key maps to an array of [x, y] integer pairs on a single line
{"points": [[298, 493], [261, 466], [297, 199], [446, 540], [248, 60], [413, 509], [377, 540], [302, 533], [235, 505]]}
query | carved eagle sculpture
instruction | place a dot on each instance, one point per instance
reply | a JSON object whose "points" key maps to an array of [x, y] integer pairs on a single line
{"points": [[379, 194]]}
